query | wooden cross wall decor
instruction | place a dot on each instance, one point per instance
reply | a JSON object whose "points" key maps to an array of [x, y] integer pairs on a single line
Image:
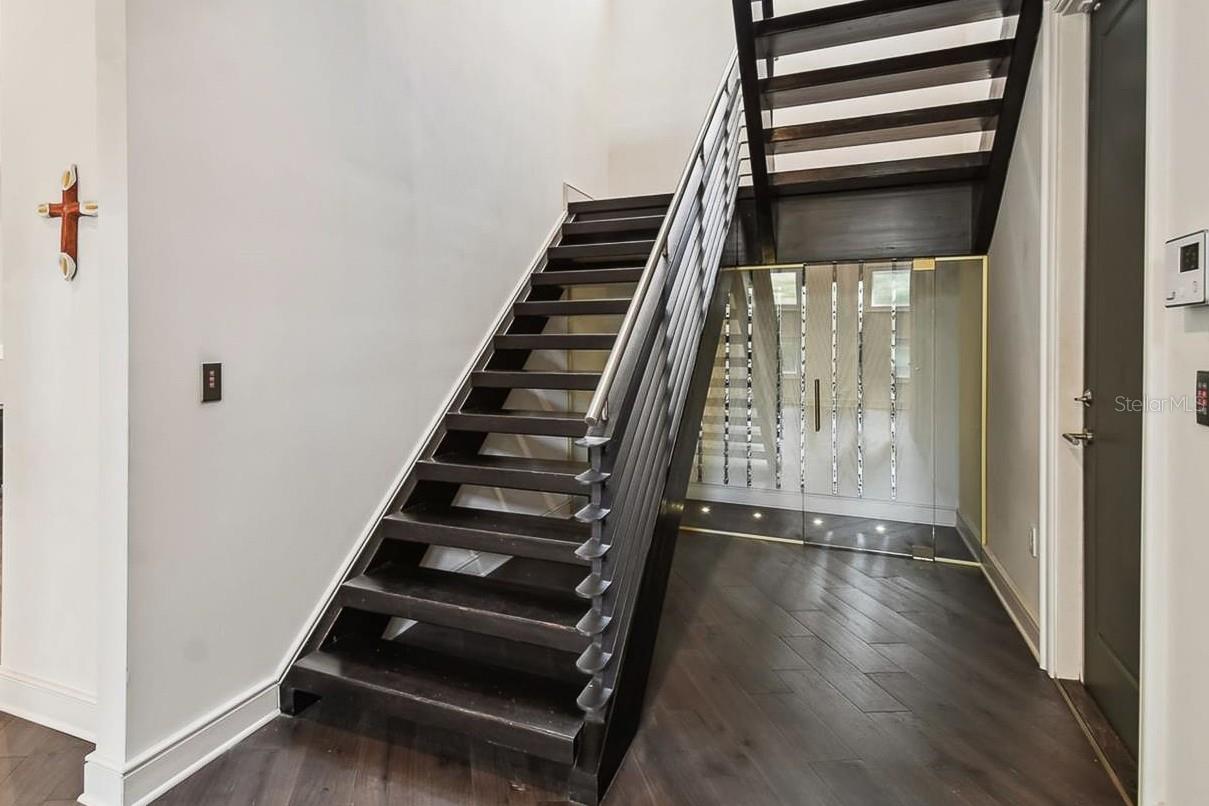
{"points": [[69, 211]]}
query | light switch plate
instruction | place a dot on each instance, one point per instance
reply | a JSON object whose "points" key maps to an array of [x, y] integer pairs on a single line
{"points": [[211, 383]]}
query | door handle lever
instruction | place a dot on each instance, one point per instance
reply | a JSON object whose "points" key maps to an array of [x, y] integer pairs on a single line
{"points": [[1081, 438]]}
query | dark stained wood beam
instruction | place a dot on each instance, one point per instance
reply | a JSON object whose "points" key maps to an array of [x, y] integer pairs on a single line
{"points": [[753, 113], [911, 124], [1028, 28], [896, 173], [767, 13], [934, 68], [863, 20]]}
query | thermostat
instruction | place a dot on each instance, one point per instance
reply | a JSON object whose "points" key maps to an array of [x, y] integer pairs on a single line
{"points": [[1186, 270]]}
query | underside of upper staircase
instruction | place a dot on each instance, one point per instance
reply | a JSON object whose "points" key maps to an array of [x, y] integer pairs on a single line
{"points": [[812, 195]]}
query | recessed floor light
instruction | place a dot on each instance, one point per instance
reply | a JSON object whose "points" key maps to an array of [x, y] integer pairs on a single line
{"points": [[818, 521], [881, 530], [757, 515], [705, 510]]}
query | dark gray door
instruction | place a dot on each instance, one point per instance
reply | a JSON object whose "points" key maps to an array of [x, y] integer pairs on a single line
{"points": [[1115, 271]]}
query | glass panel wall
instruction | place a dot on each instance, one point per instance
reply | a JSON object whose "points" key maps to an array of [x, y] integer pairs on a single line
{"points": [[749, 452], [839, 412]]}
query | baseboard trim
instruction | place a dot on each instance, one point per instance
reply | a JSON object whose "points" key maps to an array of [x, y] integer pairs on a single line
{"points": [[970, 535], [103, 785], [48, 704], [155, 771], [1001, 583]]}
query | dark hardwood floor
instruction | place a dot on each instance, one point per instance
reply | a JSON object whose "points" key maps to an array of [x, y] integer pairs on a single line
{"points": [[1113, 752], [38, 766], [785, 675]]}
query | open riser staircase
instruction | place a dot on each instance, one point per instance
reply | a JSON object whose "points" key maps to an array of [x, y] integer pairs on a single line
{"points": [[512, 590], [498, 595], [820, 92]]}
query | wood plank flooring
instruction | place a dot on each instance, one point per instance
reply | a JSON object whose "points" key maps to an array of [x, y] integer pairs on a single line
{"points": [[38, 766], [1113, 753], [784, 675]]}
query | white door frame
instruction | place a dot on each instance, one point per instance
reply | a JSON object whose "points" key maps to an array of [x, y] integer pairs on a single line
{"points": [[1063, 68]]}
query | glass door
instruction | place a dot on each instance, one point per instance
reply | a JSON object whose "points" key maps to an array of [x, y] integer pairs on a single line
{"points": [[868, 443], [839, 408]]}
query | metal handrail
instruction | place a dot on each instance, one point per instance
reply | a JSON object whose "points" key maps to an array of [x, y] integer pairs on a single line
{"points": [[639, 412], [596, 409]]}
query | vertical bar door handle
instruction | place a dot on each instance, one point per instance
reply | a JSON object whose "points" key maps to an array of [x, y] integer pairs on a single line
{"points": [[818, 420]]}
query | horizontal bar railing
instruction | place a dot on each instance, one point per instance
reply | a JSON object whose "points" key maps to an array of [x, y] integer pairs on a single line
{"points": [[625, 333], [636, 411]]}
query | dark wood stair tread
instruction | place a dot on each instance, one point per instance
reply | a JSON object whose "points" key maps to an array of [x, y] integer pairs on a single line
{"points": [[984, 60], [865, 20], [555, 341], [621, 203], [616, 215], [612, 226], [512, 709], [894, 173], [569, 277], [562, 577], [936, 121], [573, 307], [512, 472], [471, 603], [611, 251], [518, 421], [536, 536], [531, 379], [477, 649]]}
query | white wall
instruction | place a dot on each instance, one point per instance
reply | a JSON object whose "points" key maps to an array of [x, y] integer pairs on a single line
{"points": [[1014, 359], [335, 200], [664, 62], [1175, 703], [52, 400]]}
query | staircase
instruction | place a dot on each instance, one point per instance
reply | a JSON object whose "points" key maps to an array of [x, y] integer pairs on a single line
{"points": [[772, 92], [512, 590], [492, 655]]}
